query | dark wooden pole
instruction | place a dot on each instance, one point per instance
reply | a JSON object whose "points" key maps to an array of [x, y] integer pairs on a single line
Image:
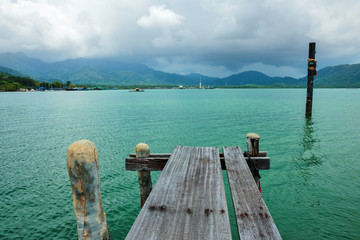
{"points": [[310, 80]]}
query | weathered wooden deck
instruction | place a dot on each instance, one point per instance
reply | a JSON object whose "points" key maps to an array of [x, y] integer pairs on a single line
{"points": [[188, 200]]}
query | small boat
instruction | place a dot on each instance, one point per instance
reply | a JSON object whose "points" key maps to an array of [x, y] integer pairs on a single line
{"points": [[137, 90], [71, 89], [97, 88]]}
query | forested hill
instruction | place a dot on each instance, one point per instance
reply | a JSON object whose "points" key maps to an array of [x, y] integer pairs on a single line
{"points": [[11, 72], [254, 78], [111, 71], [11, 81], [108, 71], [341, 76]]}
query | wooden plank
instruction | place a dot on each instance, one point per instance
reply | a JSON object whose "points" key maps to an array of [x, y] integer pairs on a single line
{"points": [[157, 162], [252, 215], [261, 154], [188, 200], [148, 164], [154, 155], [261, 163]]}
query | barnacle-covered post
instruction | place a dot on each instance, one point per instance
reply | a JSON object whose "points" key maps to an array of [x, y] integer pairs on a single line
{"points": [[144, 176], [252, 142], [83, 167]]}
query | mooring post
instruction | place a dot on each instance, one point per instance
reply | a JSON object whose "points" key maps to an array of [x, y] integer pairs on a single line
{"points": [[252, 142], [83, 167], [310, 80], [144, 176]]}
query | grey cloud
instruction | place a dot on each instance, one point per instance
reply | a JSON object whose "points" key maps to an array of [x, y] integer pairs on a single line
{"points": [[206, 36]]}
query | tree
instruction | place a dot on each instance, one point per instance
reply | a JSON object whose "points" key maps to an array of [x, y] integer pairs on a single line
{"points": [[25, 81], [11, 87], [17, 85], [56, 84]]}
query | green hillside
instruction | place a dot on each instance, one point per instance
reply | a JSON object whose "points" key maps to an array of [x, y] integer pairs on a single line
{"points": [[112, 71], [342, 76], [8, 82], [10, 72], [91, 71], [254, 78]]}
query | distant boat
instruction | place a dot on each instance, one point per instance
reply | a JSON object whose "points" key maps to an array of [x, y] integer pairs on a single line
{"points": [[137, 90], [181, 87], [71, 89]]}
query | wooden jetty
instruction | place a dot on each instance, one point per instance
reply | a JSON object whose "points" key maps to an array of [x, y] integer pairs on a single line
{"points": [[188, 200]]}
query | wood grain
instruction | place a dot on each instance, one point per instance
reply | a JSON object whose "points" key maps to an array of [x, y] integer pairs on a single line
{"points": [[157, 162], [188, 200], [252, 215]]}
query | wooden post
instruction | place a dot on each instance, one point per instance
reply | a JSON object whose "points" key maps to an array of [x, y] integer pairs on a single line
{"points": [[83, 167], [310, 80], [252, 142], [143, 151]]}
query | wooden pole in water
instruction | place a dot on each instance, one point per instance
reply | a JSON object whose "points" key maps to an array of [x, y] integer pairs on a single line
{"points": [[310, 80], [83, 167], [252, 143], [143, 151]]}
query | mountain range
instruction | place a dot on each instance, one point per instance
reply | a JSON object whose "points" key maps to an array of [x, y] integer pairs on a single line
{"points": [[112, 71]]}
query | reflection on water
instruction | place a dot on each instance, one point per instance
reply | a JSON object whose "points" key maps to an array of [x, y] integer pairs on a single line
{"points": [[308, 140], [308, 155]]}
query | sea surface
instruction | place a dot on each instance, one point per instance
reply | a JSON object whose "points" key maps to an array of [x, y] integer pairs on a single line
{"points": [[312, 189]]}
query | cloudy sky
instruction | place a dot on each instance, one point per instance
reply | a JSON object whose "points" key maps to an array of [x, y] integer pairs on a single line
{"points": [[212, 37]]}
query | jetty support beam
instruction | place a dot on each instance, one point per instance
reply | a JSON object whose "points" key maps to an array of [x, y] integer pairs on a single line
{"points": [[144, 176], [157, 162], [252, 143]]}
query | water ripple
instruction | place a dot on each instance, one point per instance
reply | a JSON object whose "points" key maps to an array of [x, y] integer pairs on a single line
{"points": [[312, 189]]}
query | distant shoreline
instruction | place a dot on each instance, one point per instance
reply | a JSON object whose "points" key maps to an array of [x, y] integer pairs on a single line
{"points": [[169, 88]]}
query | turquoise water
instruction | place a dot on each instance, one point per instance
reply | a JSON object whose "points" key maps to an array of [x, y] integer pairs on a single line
{"points": [[312, 189]]}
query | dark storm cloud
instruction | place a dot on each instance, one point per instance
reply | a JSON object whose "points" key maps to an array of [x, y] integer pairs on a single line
{"points": [[213, 37]]}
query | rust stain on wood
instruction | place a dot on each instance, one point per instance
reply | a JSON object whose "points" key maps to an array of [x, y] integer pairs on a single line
{"points": [[207, 212]]}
